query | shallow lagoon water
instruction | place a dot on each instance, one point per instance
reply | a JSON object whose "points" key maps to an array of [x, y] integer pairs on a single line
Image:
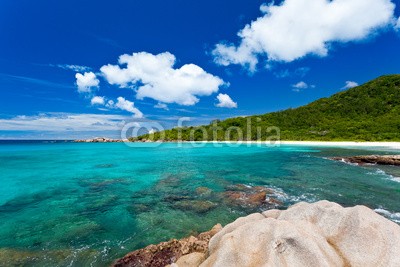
{"points": [[74, 204]]}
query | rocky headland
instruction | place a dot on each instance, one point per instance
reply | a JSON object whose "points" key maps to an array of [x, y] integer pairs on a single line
{"points": [[371, 159], [318, 234], [100, 140]]}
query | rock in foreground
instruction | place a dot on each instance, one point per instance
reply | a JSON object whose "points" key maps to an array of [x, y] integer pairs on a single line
{"points": [[169, 252], [319, 234]]}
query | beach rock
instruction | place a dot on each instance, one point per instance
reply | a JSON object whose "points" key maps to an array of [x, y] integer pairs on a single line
{"points": [[242, 195], [167, 253], [319, 234], [371, 159], [190, 260], [257, 198]]}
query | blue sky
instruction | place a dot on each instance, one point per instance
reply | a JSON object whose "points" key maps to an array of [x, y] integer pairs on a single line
{"points": [[60, 76]]}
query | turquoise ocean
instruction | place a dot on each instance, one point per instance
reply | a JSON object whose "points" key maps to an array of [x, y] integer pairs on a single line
{"points": [[77, 204]]}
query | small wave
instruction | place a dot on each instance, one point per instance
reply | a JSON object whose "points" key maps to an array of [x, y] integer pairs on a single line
{"points": [[280, 195], [394, 216], [343, 161], [388, 176], [348, 162]]}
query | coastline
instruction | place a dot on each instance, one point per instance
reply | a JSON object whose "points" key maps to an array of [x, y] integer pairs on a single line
{"points": [[383, 144], [394, 145]]}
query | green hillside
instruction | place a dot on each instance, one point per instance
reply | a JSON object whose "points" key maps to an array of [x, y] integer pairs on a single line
{"points": [[370, 112]]}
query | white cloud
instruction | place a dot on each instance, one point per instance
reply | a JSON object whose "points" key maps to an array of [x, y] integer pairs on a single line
{"points": [[301, 72], [161, 106], [126, 105], [301, 85], [76, 68], [64, 122], [86, 82], [297, 28], [153, 76], [225, 101], [349, 84], [98, 100], [397, 27]]}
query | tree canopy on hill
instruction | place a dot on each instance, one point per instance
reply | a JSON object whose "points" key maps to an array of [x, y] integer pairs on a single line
{"points": [[370, 112]]}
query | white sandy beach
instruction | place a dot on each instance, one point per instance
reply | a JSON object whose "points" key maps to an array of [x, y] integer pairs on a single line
{"points": [[392, 145]]}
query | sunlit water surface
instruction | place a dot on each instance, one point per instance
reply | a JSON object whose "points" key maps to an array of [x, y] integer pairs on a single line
{"points": [[72, 204]]}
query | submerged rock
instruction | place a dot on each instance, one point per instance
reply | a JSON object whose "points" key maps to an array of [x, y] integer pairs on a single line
{"points": [[203, 191], [138, 208], [66, 257], [199, 206], [174, 198], [169, 252], [319, 234], [247, 196], [371, 159]]}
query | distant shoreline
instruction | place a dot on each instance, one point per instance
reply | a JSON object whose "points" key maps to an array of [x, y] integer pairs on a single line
{"points": [[386, 144], [394, 145], [344, 143]]}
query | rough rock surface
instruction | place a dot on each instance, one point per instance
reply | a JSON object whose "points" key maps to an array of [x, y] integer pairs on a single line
{"points": [[247, 196], [169, 252], [190, 260], [319, 234], [371, 159]]}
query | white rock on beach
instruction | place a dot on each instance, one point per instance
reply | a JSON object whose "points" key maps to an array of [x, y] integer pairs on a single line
{"points": [[319, 234]]}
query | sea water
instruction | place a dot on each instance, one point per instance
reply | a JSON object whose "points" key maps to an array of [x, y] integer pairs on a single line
{"points": [[79, 204]]}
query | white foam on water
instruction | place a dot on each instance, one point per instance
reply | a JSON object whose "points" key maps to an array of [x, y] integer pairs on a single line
{"points": [[387, 176], [280, 195], [349, 163], [343, 161], [394, 216]]}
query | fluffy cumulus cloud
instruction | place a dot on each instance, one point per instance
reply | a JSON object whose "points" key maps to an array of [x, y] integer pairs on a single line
{"points": [[97, 100], [300, 85], [349, 84], [154, 76], [225, 101], [126, 105], [297, 28], [86, 82]]}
